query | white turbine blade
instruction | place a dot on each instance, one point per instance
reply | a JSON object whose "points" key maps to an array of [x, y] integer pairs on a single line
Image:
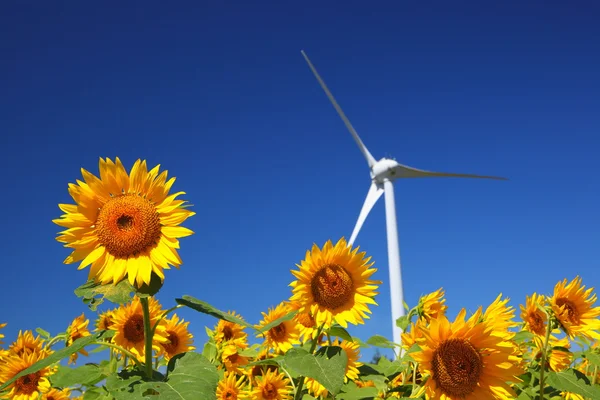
{"points": [[404, 171], [375, 192], [370, 160]]}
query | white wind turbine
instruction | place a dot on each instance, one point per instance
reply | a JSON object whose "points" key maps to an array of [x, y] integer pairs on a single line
{"points": [[383, 173]]}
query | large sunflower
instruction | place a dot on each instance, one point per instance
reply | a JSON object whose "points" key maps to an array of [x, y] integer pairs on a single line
{"points": [[27, 387], [271, 386], [284, 336], [128, 324], [230, 388], [573, 306], [334, 285], [534, 320], [78, 329], [179, 338], [465, 360], [124, 225]]}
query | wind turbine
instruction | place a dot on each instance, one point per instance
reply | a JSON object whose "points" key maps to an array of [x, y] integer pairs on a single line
{"points": [[383, 173]]}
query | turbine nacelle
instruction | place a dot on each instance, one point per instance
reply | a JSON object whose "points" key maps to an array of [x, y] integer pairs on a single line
{"points": [[385, 169]]}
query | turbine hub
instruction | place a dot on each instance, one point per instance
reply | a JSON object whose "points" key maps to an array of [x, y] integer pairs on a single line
{"points": [[385, 169]]}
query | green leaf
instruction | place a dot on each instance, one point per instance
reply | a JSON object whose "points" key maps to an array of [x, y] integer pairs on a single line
{"points": [[94, 293], [403, 322], [573, 381], [88, 375], [340, 332], [523, 336], [364, 393], [360, 342], [593, 358], [96, 393], [276, 322], [206, 308], [125, 385], [210, 350], [380, 341], [44, 334], [327, 366], [59, 355]]}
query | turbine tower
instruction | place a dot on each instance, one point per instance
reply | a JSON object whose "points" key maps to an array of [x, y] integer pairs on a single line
{"points": [[383, 173]]}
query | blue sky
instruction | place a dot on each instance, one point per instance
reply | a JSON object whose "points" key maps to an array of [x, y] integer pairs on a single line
{"points": [[219, 94]]}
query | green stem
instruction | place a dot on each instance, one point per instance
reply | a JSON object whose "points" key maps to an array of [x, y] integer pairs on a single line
{"points": [[148, 335], [595, 375], [56, 340], [544, 354], [122, 350], [313, 346]]}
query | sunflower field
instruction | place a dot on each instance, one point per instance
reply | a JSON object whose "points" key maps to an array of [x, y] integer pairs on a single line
{"points": [[125, 227]]}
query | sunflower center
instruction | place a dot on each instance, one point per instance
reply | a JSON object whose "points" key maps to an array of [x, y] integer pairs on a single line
{"points": [[128, 225], [332, 286], [105, 323], [571, 309], [227, 333], [536, 322], [457, 367], [269, 391], [171, 347], [133, 330], [28, 384], [278, 333], [230, 394]]}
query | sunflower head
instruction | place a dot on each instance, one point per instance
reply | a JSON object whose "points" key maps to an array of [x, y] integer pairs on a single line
{"points": [[77, 330], [432, 305], [179, 339], [271, 386], [230, 387], [124, 225], [500, 317], [57, 394], [26, 343], [414, 332], [574, 308], [259, 370], [284, 336], [232, 359], [306, 323], [105, 320], [334, 284], [27, 387], [227, 331], [534, 319]]}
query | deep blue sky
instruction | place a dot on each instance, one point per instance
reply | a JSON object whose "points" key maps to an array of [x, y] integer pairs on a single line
{"points": [[219, 94]]}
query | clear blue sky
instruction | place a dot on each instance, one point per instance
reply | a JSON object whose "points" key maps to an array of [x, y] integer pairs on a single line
{"points": [[219, 94]]}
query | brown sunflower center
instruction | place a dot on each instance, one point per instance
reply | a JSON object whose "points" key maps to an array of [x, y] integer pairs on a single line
{"points": [[306, 319], [269, 391], [278, 333], [127, 225], [134, 329], [332, 286], [227, 333], [105, 323], [536, 323], [28, 384], [171, 347], [572, 314], [457, 367], [230, 394]]}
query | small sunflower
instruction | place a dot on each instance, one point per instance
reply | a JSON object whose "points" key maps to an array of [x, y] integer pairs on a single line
{"points": [[26, 343], [500, 317], [27, 387], [284, 336], [128, 324], [124, 225], [271, 386], [573, 306], [431, 306], [78, 329], [179, 338], [232, 359], [571, 396], [464, 359], [226, 331], [409, 338], [56, 394], [305, 321], [258, 370], [229, 388], [534, 319], [334, 285], [105, 320]]}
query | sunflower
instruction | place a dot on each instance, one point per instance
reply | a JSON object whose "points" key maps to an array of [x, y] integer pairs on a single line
{"points": [[409, 338], [573, 306], [500, 317], [26, 343], [352, 351], [305, 321], [232, 359], [284, 336], [179, 338], [432, 306], [56, 394], [465, 359], [271, 386], [334, 285], [226, 331], [229, 388], [124, 225], [258, 370], [559, 357], [128, 324], [534, 320], [27, 387], [78, 329], [105, 320], [571, 396]]}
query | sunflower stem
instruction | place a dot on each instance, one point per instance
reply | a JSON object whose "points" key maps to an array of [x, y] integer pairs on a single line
{"points": [[147, 336], [122, 350], [544, 356], [595, 375], [313, 346]]}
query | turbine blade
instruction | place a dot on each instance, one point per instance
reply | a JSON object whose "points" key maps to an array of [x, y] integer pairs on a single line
{"points": [[404, 171], [375, 192], [370, 160]]}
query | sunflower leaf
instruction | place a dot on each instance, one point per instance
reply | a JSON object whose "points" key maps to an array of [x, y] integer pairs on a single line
{"points": [[87, 375], [573, 381], [380, 341], [327, 366], [44, 334], [59, 355], [523, 336], [340, 332], [593, 358], [206, 308], [94, 293]]}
